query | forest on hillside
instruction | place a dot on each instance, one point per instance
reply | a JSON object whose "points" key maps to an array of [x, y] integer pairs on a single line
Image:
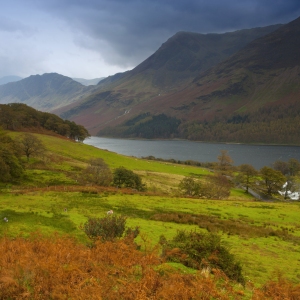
{"points": [[21, 117], [272, 124], [269, 125]]}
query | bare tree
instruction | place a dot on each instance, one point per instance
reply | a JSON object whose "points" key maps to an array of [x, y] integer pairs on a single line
{"points": [[97, 172], [225, 161], [216, 187]]}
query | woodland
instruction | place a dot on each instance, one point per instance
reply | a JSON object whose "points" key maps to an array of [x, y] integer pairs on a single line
{"points": [[79, 222], [269, 125]]}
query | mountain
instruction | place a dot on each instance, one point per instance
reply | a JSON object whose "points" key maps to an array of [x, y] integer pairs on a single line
{"points": [[7, 79], [88, 82], [170, 69], [253, 96], [44, 92]]}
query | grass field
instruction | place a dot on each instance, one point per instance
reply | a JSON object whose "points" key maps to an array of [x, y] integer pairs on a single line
{"points": [[260, 253], [264, 236]]}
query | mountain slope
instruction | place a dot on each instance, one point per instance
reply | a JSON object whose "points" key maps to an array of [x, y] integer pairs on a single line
{"points": [[174, 65], [44, 92], [253, 96], [265, 71]]}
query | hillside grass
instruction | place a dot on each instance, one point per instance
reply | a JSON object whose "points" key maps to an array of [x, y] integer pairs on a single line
{"points": [[264, 236], [64, 212]]}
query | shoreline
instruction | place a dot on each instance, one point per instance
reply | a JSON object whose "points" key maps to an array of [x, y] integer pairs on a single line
{"points": [[192, 141]]}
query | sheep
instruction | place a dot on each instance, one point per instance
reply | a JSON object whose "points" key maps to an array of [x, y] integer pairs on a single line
{"points": [[110, 212]]}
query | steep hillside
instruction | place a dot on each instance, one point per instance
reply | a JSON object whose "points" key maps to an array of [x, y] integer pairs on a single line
{"points": [[174, 65], [44, 92], [253, 96], [260, 84]]}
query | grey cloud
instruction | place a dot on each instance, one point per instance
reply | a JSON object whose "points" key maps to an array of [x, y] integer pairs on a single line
{"points": [[127, 32], [13, 26]]}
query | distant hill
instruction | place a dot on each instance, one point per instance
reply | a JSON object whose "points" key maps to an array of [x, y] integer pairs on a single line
{"points": [[88, 82], [44, 92], [21, 117], [7, 79], [171, 68]]}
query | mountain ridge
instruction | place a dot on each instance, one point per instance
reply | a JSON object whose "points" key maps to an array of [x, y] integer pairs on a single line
{"points": [[164, 72]]}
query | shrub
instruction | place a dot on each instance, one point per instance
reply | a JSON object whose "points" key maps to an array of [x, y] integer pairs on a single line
{"points": [[108, 228], [126, 178], [216, 187], [189, 186], [199, 250], [97, 172]]}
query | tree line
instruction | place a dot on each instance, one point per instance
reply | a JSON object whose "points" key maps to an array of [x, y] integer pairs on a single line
{"points": [[282, 177], [18, 117], [268, 125]]}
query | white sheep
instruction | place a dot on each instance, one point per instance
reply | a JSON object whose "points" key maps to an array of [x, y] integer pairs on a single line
{"points": [[110, 212]]}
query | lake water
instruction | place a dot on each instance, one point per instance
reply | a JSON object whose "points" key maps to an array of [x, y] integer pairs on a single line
{"points": [[255, 155]]}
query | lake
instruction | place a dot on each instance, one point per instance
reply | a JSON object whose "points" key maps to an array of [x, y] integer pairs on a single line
{"points": [[256, 155]]}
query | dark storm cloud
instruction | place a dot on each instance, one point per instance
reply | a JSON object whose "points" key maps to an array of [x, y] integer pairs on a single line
{"points": [[127, 31], [95, 38]]}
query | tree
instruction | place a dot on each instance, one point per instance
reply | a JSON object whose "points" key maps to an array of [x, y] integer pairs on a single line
{"points": [[97, 172], [225, 161], [247, 175], [273, 179], [189, 186], [11, 167], [30, 145], [126, 178]]}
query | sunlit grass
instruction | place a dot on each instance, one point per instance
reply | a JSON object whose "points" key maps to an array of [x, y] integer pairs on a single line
{"points": [[65, 212]]}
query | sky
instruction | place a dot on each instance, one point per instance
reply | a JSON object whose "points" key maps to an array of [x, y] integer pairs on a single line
{"points": [[97, 38]]}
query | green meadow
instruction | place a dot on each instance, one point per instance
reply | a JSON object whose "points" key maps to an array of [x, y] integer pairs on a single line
{"points": [[264, 236]]}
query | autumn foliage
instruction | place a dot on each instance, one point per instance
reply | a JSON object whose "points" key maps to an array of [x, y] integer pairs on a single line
{"points": [[60, 268]]}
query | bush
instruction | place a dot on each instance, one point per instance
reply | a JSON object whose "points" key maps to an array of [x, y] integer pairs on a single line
{"points": [[97, 172], [216, 187], [108, 228], [126, 178], [198, 250], [189, 186]]}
